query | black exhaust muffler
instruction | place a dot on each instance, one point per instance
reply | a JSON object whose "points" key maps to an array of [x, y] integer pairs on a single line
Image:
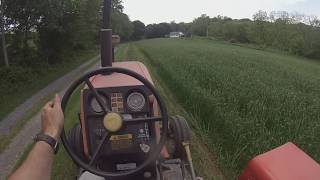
{"points": [[106, 35]]}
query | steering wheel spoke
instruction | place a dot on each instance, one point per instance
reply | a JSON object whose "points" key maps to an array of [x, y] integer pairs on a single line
{"points": [[103, 141], [97, 96], [143, 120]]}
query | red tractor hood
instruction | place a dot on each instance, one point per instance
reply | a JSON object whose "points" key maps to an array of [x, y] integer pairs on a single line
{"points": [[118, 80]]}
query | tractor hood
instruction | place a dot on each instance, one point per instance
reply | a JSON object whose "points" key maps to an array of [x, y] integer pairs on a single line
{"points": [[119, 80]]}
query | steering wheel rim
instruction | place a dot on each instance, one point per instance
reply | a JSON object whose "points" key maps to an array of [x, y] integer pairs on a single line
{"points": [[164, 117]]}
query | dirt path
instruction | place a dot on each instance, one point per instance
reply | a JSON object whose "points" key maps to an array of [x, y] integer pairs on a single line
{"points": [[7, 123], [25, 137]]}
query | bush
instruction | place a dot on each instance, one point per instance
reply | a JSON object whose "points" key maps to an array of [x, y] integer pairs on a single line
{"points": [[15, 76]]}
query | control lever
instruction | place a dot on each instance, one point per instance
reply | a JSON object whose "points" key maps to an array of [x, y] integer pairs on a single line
{"points": [[186, 146]]}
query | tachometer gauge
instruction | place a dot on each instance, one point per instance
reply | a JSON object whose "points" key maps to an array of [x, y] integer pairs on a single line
{"points": [[136, 101], [95, 105]]}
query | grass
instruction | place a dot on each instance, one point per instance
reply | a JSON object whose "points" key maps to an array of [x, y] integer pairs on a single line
{"points": [[19, 83], [6, 139], [246, 101], [203, 159]]}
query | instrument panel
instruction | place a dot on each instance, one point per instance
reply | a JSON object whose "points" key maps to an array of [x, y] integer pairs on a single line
{"points": [[130, 102]]}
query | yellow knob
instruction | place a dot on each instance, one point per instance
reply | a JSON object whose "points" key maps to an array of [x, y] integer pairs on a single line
{"points": [[112, 122]]}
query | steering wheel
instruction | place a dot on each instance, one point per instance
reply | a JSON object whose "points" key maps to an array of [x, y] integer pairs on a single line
{"points": [[90, 166]]}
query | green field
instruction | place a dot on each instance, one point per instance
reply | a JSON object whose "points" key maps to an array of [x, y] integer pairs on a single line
{"points": [[245, 101], [241, 102]]}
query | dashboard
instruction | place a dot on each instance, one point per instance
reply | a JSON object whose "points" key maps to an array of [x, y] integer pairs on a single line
{"points": [[133, 141]]}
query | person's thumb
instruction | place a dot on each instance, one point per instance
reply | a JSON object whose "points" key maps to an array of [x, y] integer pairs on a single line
{"points": [[57, 101]]}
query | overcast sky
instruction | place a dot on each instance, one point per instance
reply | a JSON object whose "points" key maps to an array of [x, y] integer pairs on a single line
{"points": [[155, 11]]}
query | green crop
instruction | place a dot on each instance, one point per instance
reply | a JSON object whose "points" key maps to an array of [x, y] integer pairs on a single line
{"points": [[247, 101]]}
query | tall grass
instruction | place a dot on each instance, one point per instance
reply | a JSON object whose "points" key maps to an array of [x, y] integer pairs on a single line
{"points": [[248, 101]]}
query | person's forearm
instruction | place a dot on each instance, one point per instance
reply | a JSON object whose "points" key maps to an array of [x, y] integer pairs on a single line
{"points": [[39, 161], [40, 158]]}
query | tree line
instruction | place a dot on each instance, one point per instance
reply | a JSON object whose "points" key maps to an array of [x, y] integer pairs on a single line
{"points": [[41, 32], [295, 33], [292, 32]]}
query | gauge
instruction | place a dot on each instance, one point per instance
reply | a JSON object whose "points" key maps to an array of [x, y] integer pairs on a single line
{"points": [[136, 101], [95, 105]]}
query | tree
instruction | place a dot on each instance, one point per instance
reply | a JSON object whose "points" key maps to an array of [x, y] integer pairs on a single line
{"points": [[58, 28], [121, 25], [117, 5], [23, 17], [44, 31], [235, 31], [157, 30], [259, 29], [261, 16], [174, 26], [138, 30], [3, 35], [200, 26], [184, 27], [87, 23], [312, 21]]}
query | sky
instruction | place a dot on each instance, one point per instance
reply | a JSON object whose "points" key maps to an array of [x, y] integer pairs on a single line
{"points": [[156, 11]]}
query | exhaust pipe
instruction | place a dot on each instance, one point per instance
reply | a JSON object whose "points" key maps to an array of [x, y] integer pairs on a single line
{"points": [[106, 35]]}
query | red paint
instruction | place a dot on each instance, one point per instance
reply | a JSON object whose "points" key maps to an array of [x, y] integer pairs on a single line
{"points": [[286, 162], [119, 80]]}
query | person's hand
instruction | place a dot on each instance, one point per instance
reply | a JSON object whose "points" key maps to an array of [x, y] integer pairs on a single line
{"points": [[52, 118]]}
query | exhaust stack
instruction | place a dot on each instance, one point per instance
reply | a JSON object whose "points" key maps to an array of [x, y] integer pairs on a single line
{"points": [[106, 35]]}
